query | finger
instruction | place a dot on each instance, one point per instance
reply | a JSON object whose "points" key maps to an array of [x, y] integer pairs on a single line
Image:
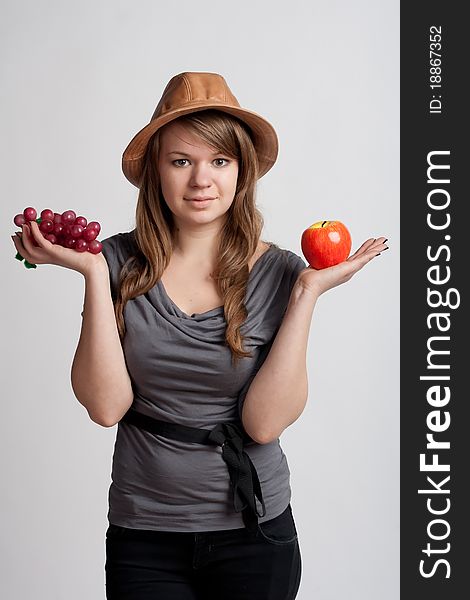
{"points": [[372, 251], [30, 244], [373, 245], [379, 245], [382, 240], [25, 238], [375, 251], [18, 241], [18, 238], [37, 236], [363, 248], [362, 260]]}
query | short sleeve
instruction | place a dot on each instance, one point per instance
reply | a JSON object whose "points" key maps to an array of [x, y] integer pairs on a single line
{"points": [[109, 251], [116, 250], [295, 264], [259, 363], [271, 307]]}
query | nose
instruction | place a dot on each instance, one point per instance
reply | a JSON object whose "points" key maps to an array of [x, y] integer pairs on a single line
{"points": [[201, 175]]}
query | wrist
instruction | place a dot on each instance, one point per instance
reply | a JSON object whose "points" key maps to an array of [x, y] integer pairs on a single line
{"points": [[302, 297], [302, 289], [96, 269]]}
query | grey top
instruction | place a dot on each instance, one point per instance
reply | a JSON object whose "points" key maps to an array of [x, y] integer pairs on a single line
{"points": [[181, 372]]}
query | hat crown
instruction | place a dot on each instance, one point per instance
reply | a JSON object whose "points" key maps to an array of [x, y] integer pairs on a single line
{"points": [[189, 88]]}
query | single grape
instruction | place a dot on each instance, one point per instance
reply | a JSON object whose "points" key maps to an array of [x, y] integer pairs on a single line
{"points": [[95, 247], [69, 242], [51, 237], [30, 213], [69, 217], [81, 221], [81, 245], [76, 231], [89, 234], [58, 228], [67, 230], [46, 226], [94, 225], [57, 218], [47, 215], [19, 220]]}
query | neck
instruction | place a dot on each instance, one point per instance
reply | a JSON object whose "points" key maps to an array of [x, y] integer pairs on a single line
{"points": [[196, 246]]}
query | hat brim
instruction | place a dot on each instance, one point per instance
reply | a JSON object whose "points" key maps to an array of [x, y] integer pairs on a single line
{"points": [[263, 134]]}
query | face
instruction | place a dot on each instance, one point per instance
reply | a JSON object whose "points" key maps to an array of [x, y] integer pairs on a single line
{"points": [[190, 169]]}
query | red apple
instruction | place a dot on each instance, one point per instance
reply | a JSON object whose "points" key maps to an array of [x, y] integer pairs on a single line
{"points": [[326, 243]]}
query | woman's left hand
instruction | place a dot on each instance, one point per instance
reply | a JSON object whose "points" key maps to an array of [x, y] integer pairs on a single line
{"points": [[320, 280]]}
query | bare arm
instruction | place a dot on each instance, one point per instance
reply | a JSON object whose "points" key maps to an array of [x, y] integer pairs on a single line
{"points": [[278, 394], [99, 376], [100, 379]]}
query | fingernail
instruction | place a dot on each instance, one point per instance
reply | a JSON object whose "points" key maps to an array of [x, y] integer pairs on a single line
{"points": [[385, 241], [385, 248], [378, 254]]}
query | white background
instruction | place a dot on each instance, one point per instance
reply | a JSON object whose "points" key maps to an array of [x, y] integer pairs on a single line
{"points": [[78, 81]]}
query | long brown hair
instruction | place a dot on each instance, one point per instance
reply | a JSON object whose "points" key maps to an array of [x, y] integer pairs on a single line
{"points": [[238, 239]]}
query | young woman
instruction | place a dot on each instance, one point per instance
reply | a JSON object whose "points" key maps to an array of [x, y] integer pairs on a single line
{"points": [[194, 341]]}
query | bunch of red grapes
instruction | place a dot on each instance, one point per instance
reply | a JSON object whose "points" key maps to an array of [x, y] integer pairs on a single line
{"points": [[65, 229]]}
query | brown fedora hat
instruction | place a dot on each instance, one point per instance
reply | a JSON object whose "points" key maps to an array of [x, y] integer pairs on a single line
{"points": [[191, 92]]}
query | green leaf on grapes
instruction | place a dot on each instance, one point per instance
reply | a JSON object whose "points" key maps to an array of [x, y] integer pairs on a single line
{"points": [[38, 220], [18, 256], [29, 265]]}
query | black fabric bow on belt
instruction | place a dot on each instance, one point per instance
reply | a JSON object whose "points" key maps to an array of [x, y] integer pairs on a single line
{"points": [[243, 476]]}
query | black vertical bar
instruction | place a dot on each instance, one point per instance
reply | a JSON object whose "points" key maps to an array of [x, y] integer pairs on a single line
{"points": [[435, 268]]}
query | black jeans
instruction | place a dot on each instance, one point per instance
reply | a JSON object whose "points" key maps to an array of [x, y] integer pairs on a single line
{"points": [[231, 564]]}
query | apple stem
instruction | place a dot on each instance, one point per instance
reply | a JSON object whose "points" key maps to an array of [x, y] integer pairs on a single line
{"points": [[323, 224]]}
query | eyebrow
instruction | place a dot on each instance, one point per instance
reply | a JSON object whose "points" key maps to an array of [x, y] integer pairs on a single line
{"points": [[184, 153]]}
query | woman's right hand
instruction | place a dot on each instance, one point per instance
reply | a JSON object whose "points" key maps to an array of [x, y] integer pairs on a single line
{"points": [[54, 254]]}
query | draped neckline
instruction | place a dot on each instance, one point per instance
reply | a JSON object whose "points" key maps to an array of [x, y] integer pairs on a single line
{"points": [[217, 309]]}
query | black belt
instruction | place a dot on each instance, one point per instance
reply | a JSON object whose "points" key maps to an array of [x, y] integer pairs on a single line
{"points": [[243, 476]]}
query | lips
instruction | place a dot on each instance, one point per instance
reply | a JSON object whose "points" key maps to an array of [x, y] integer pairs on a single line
{"points": [[201, 198]]}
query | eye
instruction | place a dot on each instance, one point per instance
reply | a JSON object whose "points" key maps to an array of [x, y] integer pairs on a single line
{"points": [[178, 160], [225, 159]]}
